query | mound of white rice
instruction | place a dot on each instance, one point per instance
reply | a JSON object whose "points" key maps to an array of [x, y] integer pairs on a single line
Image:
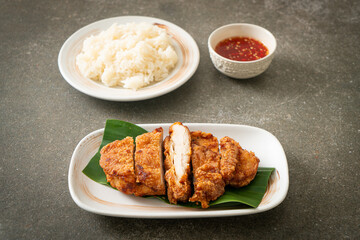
{"points": [[131, 55]]}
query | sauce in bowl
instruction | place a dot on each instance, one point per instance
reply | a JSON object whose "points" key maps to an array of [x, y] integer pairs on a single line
{"points": [[241, 49]]}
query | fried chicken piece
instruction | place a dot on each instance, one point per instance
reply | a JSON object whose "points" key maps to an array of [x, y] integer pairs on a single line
{"points": [[147, 178], [229, 150], [238, 166], [177, 163], [245, 170], [149, 164], [205, 157], [117, 161]]}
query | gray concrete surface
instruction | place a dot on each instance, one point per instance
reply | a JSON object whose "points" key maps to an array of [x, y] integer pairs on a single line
{"points": [[309, 99]]}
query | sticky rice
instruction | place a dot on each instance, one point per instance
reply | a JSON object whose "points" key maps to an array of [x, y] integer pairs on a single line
{"points": [[131, 56]]}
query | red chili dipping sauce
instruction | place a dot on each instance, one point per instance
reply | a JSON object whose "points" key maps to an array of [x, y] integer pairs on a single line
{"points": [[241, 49]]}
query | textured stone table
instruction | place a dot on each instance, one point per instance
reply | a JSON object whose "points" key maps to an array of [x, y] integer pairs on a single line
{"points": [[309, 99]]}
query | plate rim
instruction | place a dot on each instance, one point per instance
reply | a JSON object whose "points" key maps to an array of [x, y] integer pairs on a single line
{"points": [[129, 98], [201, 213]]}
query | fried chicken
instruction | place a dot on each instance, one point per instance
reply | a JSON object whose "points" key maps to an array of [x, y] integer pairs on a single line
{"points": [[205, 157], [245, 170], [238, 166], [149, 164], [177, 163], [141, 171], [147, 178], [229, 150], [117, 161]]}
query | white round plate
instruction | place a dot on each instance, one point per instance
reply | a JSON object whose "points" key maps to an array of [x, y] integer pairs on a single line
{"points": [[184, 45]]}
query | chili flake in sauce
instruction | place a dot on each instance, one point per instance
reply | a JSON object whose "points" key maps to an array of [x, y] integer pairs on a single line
{"points": [[241, 49]]}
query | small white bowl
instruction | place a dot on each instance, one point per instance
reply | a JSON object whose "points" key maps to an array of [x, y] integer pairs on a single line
{"points": [[241, 69]]}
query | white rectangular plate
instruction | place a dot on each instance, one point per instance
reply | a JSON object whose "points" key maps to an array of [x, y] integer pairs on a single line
{"points": [[100, 199]]}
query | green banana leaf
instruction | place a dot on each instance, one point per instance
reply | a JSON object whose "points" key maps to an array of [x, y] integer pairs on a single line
{"points": [[250, 195]]}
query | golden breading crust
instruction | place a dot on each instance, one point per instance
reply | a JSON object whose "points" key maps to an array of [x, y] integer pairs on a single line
{"points": [[208, 182], [168, 164], [246, 169], [229, 157], [149, 164], [118, 164], [178, 187]]}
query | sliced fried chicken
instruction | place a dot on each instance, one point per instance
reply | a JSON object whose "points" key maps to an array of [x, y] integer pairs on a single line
{"points": [[117, 161], [246, 169], [205, 158], [229, 157], [149, 164], [238, 166], [177, 163]]}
